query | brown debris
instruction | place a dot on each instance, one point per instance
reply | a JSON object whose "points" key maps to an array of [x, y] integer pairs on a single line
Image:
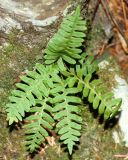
{"points": [[117, 13]]}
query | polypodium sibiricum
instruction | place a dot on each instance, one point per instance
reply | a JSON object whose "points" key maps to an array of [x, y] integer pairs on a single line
{"points": [[54, 92]]}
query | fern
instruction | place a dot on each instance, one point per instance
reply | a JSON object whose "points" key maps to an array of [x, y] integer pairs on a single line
{"points": [[67, 113], [35, 84], [93, 89], [51, 93], [38, 123], [33, 97], [66, 42]]}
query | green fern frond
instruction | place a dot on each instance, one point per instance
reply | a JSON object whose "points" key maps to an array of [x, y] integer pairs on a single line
{"points": [[53, 93], [67, 40], [33, 86], [104, 102], [39, 122], [89, 65], [67, 113], [92, 89]]}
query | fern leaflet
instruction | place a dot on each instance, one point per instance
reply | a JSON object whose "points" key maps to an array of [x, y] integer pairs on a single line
{"points": [[39, 122], [67, 113], [92, 89], [33, 85], [67, 40]]}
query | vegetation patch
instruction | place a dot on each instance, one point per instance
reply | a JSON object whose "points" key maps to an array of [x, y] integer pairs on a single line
{"points": [[52, 95]]}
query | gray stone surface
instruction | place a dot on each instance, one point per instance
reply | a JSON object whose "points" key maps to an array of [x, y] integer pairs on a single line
{"points": [[14, 13]]}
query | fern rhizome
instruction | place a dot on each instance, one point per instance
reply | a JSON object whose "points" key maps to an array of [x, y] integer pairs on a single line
{"points": [[54, 92]]}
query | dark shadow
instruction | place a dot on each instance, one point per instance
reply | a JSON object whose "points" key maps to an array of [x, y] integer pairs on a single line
{"points": [[93, 111], [101, 119], [33, 154], [15, 126], [75, 148], [110, 123]]}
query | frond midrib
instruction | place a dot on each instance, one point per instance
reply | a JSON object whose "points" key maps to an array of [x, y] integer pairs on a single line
{"points": [[89, 86], [73, 29]]}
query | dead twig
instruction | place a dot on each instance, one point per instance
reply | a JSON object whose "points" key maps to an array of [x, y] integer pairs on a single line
{"points": [[109, 15], [124, 12], [102, 49], [115, 24], [121, 156], [126, 2], [95, 10]]}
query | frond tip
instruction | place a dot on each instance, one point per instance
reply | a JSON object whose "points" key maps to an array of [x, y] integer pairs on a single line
{"points": [[67, 40], [35, 130], [67, 112], [33, 86]]}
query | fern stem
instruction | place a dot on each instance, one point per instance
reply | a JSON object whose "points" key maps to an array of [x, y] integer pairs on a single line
{"points": [[88, 86]]}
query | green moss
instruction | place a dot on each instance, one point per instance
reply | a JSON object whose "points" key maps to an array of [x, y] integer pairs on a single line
{"points": [[107, 73], [20, 53], [8, 140], [96, 142], [56, 152], [94, 39]]}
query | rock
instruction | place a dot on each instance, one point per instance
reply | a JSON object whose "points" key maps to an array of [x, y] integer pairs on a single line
{"points": [[39, 13]]}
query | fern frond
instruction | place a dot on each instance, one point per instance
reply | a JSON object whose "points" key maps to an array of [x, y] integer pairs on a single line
{"points": [[67, 113], [33, 86], [50, 93], [93, 89], [38, 124], [67, 40]]}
